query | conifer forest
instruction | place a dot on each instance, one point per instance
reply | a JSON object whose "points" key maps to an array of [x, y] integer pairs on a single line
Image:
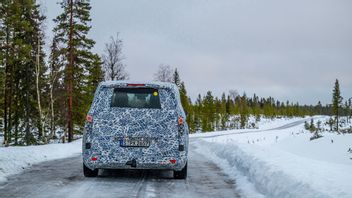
{"points": [[45, 94]]}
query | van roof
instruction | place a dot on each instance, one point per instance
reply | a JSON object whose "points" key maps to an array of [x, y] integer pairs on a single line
{"points": [[123, 83]]}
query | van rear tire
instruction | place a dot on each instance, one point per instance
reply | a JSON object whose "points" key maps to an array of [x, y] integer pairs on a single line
{"points": [[88, 172], [182, 174]]}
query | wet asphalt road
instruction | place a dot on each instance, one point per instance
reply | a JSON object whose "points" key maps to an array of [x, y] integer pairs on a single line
{"points": [[64, 178]]}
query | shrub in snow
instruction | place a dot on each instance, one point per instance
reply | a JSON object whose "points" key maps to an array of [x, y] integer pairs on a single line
{"points": [[319, 129], [330, 123], [312, 127], [306, 125], [315, 136]]}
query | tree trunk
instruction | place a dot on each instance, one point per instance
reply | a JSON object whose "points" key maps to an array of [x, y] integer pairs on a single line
{"points": [[26, 120], [26, 86], [37, 70], [5, 107], [70, 77], [52, 115], [337, 121], [16, 124], [6, 90]]}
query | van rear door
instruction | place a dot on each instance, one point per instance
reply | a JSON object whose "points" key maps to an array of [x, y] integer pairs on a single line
{"points": [[136, 122]]}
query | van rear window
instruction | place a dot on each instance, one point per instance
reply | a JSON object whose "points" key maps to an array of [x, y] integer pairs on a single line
{"points": [[136, 98]]}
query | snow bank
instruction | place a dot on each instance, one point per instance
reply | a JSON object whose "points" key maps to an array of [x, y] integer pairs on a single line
{"points": [[15, 159], [283, 163]]}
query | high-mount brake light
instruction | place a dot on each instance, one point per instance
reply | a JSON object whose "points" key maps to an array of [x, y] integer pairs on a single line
{"points": [[89, 118], [180, 120], [135, 85]]}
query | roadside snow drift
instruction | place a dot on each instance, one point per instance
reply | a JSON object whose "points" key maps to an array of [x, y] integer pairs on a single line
{"points": [[15, 159], [283, 163]]}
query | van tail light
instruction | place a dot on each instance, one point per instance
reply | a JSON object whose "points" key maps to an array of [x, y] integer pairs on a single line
{"points": [[173, 161], [94, 158], [181, 123], [89, 118], [180, 120]]}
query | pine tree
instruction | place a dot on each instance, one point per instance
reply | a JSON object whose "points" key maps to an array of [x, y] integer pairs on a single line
{"points": [[243, 111], [176, 78], [336, 103], [96, 76], [319, 108], [5, 60], [349, 114], [185, 100], [223, 112], [22, 55], [208, 115], [256, 108], [198, 114], [82, 67]]}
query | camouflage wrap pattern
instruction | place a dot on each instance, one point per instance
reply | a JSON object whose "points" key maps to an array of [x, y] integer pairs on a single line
{"points": [[159, 126]]}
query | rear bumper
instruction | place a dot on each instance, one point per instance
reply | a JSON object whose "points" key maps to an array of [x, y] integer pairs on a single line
{"points": [[164, 163]]}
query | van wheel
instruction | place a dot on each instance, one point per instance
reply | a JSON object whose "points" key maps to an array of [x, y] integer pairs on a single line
{"points": [[89, 173], [182, 174]]}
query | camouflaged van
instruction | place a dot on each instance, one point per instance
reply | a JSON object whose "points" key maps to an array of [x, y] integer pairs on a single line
{"points": [[136, 126]]}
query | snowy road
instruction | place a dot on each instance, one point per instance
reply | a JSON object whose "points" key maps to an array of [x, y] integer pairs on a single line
{"points": [[64, 178], [286, 126]]}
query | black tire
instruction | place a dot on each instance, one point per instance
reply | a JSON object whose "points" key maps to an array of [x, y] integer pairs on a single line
{"points": [[182, 174], [89, 173]]}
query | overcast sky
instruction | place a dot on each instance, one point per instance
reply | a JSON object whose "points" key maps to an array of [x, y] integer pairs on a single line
{"points": [[291, 50]]}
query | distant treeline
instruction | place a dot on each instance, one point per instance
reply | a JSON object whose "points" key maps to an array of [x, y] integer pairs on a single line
{"points": [[232, 110]]}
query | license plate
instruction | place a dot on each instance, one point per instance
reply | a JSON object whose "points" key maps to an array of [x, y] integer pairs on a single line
{"points": [[134, 142]]}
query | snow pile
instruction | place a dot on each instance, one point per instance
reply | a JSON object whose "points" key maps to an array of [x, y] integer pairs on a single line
{"points": [[283, 163], [15, 159]]}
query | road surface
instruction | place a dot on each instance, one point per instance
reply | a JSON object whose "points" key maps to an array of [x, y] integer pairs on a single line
{"points": [[64, 178]]}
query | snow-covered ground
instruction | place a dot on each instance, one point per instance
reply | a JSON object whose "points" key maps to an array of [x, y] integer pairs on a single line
{"points": [[14, 159], [283, 162]]}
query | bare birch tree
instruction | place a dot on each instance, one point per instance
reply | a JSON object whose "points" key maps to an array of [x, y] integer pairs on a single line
{"points": [[54, 64], [164, 74], [113, 67], [37, 74]]}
